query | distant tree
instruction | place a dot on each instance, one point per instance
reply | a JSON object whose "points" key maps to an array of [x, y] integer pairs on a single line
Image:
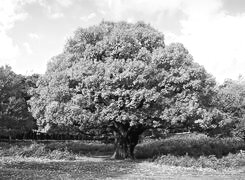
{"points": [[14, 115], [121, 78], [230, 100]]}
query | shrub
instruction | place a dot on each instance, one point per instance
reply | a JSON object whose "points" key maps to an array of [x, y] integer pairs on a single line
{"points": [[229, 161], [55, 150], [84, 148], [195, 145]]}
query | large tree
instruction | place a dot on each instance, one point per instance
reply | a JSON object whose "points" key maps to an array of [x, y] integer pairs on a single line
{"points": [[14, 115], [121, 78]]}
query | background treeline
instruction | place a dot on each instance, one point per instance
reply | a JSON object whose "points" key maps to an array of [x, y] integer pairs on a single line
{"points": [[16, 120]]}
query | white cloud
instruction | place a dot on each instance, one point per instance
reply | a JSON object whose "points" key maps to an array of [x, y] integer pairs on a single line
{"points": [[34, 36], [140, 9], [9, 51], [215, 39], [54, 8], [65, 3], [10, 12], [49, 4], [56, 15], [28, 48], [52, 11], [102, 12], [88, 17]]}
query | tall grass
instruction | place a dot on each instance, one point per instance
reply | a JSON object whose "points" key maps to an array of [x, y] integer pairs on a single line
{"points": [[195, 150], [84, 148], [194, 145], [54, 150], [229, 161], [183, 150], [37, 151]]}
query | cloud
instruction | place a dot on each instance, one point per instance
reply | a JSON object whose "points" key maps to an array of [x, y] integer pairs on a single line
{"points": [[88, 17], [65, 3], [10, 12], [34, 36], [55, 8], [102, 12], [9, 51], [56, 15], [139, 9], [28, 48], [215, 38]]}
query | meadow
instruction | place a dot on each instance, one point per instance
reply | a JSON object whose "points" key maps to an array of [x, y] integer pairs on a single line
{"points": [[191, 155]]}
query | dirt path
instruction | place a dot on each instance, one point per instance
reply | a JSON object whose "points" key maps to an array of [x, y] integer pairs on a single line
{"points": [[104, 168]]}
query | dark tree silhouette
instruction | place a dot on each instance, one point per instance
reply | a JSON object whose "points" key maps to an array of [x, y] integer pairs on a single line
{"points": [[14, 115]]}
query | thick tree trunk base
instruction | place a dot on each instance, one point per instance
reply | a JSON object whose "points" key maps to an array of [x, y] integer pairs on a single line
{"points": [[124, 151], [126, 138], [118, 155]]}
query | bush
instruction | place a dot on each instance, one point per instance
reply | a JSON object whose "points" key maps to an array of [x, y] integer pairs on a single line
{"points": [[55, 149], [195, 145], [37, 151], [79, 147], [229, 161]]}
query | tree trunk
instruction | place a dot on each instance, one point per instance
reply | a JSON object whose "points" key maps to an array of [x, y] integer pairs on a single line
{"points": [[125, 146], [126, 138], [121, 151]]}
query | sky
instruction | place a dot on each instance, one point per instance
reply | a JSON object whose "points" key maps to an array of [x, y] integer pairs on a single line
{"points": [[33, 31]]}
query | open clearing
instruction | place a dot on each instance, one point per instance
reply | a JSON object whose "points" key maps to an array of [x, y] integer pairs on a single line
{"points": [[104, 168]]}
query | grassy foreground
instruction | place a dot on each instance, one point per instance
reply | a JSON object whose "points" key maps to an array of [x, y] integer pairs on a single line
{"points": [[104, 168], [189, 155]]}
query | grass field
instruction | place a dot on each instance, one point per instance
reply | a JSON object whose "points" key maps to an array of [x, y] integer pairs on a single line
{"points": [[178, 157], [104, 168]]}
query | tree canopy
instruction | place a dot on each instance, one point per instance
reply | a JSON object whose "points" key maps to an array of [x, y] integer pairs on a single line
{"points": [[14, 115], [122, 78], [230, 100]]}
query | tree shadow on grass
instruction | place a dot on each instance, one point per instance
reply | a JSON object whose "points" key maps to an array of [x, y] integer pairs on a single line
{"points": [[68, 169]]}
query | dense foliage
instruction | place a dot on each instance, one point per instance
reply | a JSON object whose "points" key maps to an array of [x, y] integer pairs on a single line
{"points": [[14, 115], [191, 144], [120, 78], [231, 101]]}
